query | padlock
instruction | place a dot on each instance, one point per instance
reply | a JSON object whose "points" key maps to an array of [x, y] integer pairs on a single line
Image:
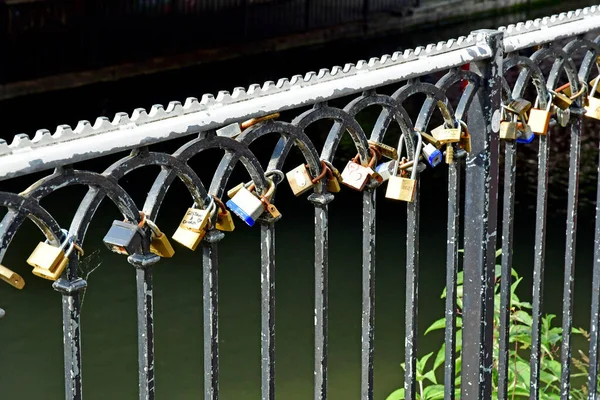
{"points": [[386, 169], [508, 130], [593, 107], [400, 188], [159, 243], [432, 155], [560, 99], [519, 106], [465, 137], [230, 131], [563, 116], [445, 135], [193, 226], [333, 183], [12, 278], [49, 261], [384, 149], [524, 133], [231, 192], [539, 120], [224, 218], [124, 237], [430, 139], [246, 206], [300, 180], [355, 175]]}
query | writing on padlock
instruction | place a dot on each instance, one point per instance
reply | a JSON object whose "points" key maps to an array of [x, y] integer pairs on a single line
{"points": [[539, 120], [159, 242], [444, 134], [11, 277], [384, 149], [356, 175], [300, 180], [49, 261], [193, 226], [125, 237], [400, 188]]}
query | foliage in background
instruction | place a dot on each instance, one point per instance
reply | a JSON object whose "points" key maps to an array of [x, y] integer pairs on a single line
{"points": [[519, 371]]}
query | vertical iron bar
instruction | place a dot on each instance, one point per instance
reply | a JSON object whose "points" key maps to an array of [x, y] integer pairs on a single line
{"points": [[595, 317], [368, 294], [267, 286], [538, 266], [569, 282], [481, 201], [321, 202], [510, 172], [454, 172], [71, 301], [412, 296], [210, 298], [145, 306]]}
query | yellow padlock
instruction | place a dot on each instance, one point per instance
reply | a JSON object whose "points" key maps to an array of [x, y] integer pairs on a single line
{"points": [[49, 261], [159, 244], [224, 218], [192, 228]]}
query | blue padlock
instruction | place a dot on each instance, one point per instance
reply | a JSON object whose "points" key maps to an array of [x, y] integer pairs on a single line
{"points": [[432, 155], [526, 135]]}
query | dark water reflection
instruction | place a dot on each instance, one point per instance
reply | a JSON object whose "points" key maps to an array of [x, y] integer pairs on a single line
{"points": [[31, 333]]}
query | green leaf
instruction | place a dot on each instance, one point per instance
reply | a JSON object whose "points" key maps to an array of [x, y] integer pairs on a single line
{"points": [[441, 356], [441, 324], [434, 392], [422, 362], [522, 317], [396, 395], [431, 376]]}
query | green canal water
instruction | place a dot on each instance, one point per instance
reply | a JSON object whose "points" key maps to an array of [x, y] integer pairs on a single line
{"points": [[31, 364]]}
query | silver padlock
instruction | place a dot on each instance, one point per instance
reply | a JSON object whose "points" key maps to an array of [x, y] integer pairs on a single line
{"points": [[248, 206], [386, 169], [230, 131], [432, 155]]}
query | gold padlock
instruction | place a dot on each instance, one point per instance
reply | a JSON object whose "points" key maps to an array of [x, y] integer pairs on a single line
{"points": [[539, 120], [446, 135], [11, 277], [384, 149], [192, 228], [508, 130], [232, 192], [333, 184], [300, 180], [465, 138], [560, 99], [519, 106], [224, 218], [49, 261], [400, 188], [593, 107], [428, 138], [159, 244]]}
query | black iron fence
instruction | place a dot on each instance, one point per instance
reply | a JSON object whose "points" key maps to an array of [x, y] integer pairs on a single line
{"points": [[58, 36], [520, 82]]}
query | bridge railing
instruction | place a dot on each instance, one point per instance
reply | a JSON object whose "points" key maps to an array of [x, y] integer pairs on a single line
{"points": [[214, 123]]}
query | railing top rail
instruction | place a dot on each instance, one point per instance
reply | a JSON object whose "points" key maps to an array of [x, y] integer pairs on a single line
{"points": [[87, 141]]}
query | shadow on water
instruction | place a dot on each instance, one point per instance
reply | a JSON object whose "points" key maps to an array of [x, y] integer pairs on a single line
{"points": [[31, 333]]}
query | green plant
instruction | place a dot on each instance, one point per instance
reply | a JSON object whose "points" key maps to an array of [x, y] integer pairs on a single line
{"points": [[428, 367]]}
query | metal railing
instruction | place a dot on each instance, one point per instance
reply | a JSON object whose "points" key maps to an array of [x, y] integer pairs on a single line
{"points": [[491, 54]]}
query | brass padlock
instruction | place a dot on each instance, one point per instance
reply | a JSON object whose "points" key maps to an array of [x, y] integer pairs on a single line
{"points": [[12, 278], [224, 218], [560, 99], [430, 139], [446, 135], [539, 120], [384, 149], [300, 180], [519, 106], [159, 243], [465, 137], [333, 184], [400, 188], [49, 261], [192, 228], [593, 107], [508, 130]]}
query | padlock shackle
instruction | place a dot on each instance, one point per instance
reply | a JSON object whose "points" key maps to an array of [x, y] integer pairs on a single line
{"points": [[413, 174], [220, 205]]}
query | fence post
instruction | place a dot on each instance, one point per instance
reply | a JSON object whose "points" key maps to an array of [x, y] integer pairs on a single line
{"points": [[481, 201]]}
